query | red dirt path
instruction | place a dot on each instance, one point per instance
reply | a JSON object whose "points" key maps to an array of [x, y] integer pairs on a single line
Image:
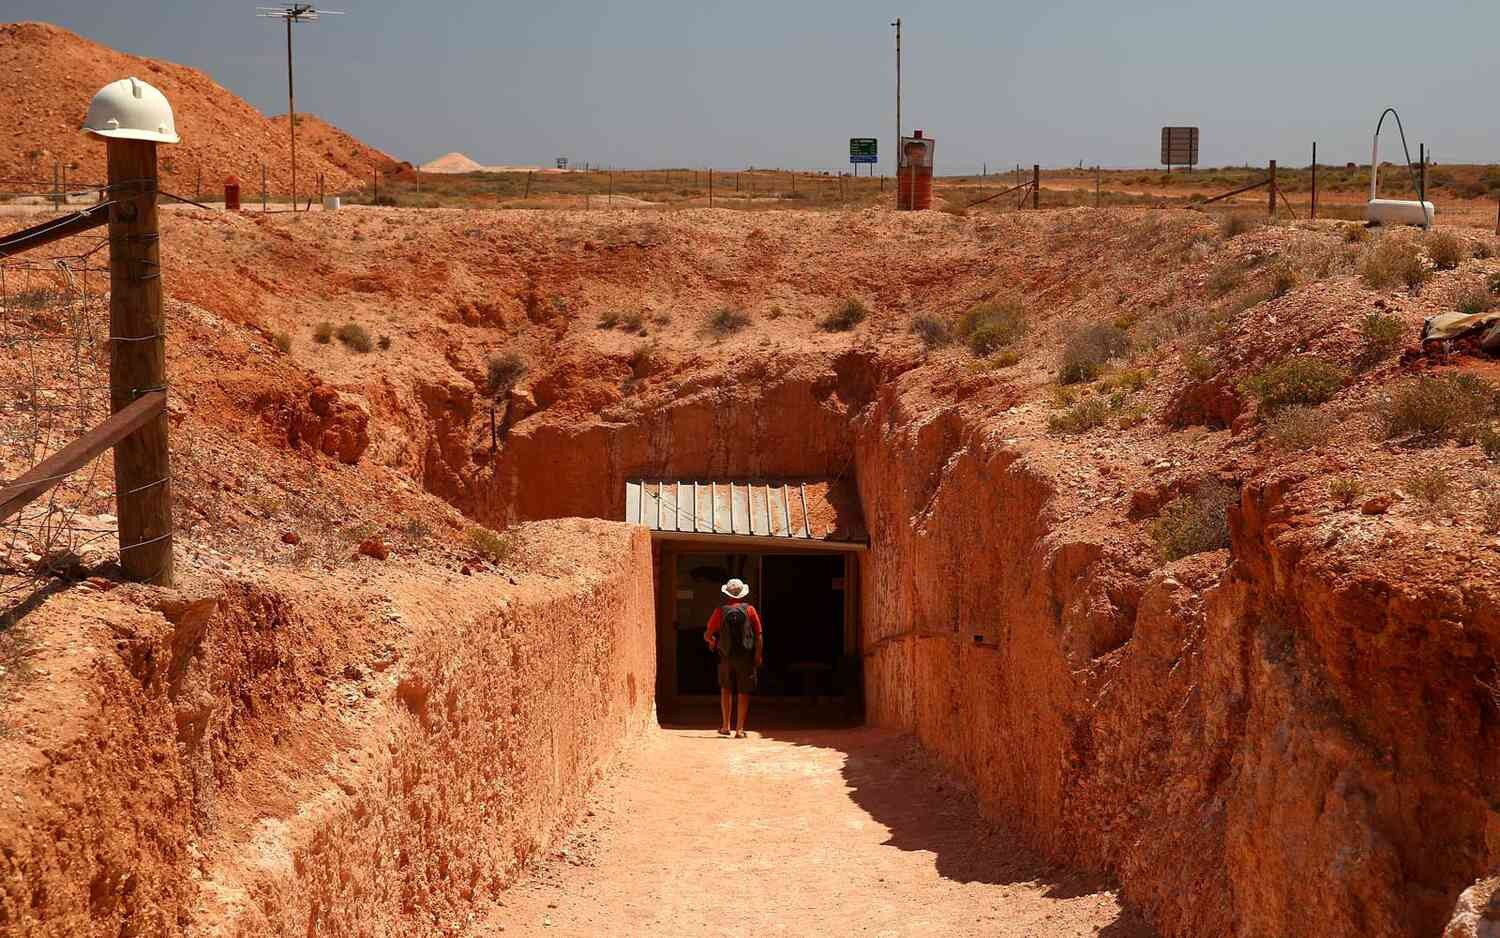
{"points": [[807, 833]]}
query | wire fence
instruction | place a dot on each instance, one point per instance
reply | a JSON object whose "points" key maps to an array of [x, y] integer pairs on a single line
{"points": [[54, 387]]}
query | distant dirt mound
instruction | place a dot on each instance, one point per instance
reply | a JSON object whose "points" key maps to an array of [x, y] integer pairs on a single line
{"points": [[54, 75], [339, 148], [452, 163]]}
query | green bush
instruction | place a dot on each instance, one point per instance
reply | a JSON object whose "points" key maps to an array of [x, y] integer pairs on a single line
{"points": [[933, 331], [1391, 263], [1088, 414], [1473, 300], [1088, 350], [1304, 379], [726, 321], [356, 337], [1434, 408], [1380, 336], [1198, 366], [850, 313], [493, 547], [992, 326], [1194, 523], [1431, 486]]}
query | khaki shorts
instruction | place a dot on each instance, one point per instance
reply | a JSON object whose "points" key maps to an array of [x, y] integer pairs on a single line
{"points": [[737, 675]]}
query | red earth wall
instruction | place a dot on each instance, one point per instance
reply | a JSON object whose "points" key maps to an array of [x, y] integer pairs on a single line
{"points": [[360, 757], [1274, 740]]}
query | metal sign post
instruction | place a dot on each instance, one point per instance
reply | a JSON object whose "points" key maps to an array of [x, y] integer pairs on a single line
{"points": [[863, 150]]}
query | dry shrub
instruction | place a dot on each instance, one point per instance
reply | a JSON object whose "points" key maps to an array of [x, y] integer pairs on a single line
{"points": [[992, 326], [1434, 408], [1473, 300], [1302, 379], [644, 362], [1226, 278], [1431, 486], [1234, 224], [1198, 366], [1356, 234], [1346, 490], [1284, 279], [933, 331], [490, 545], [1004, 358], [1130, 380], [502, 371], [1489, 442], [1194, 523], [726, 321], [1298, 428], [1088, 350], [323, 333], [850, 313], [1381, 336], [634, 322], [609, 320], [1446, 251], [1492, 283], [384, 343], [282, 341], [1391, 263], [356, 337]]}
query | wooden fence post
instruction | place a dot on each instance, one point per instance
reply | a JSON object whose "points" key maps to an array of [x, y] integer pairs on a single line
{"points": [[528, 185], [143, 485], [1313, 209], [1036, 185], [265, 202], [1272, 203]]}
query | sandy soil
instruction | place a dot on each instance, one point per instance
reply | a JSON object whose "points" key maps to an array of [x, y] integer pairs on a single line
{"points": [[807, 833]]}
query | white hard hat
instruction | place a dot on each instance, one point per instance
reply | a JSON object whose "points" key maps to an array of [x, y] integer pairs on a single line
{"points": [[735, 589], [130, 109]]}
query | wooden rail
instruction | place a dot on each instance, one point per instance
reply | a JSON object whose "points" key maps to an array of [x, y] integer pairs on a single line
{"points": [[55, 229], [48, 473]]}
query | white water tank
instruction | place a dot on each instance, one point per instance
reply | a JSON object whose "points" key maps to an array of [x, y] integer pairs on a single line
{"points": [[1399, 212]]}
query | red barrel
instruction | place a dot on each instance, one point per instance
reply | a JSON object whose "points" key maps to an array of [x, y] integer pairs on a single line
{"points": [[918, 180], [232, 193]]}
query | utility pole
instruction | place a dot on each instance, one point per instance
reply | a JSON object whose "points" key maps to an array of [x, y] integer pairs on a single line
{"points": [[897, 24], [293, 13]]}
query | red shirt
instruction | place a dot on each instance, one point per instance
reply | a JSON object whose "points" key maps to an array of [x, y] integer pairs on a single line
{"points": [[717, 619]]}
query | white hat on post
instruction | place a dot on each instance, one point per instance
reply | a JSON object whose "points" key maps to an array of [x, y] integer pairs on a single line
{"points": [[130, 109]]}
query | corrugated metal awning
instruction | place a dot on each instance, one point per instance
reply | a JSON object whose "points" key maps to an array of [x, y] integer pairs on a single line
{"points": [[816, 513]]}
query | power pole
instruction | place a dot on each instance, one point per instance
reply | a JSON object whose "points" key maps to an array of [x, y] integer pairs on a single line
{"points": [[293, 13], [897, 24]]}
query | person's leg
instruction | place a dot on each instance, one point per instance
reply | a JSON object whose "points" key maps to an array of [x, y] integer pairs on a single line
{"points": [[744, 702], [726, 694]]}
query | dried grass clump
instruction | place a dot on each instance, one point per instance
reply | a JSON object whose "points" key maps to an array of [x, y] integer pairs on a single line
{"points": [[282, 342], [1435, 408], [850, 313], [1234, 224], [1346, 490], [1356, 234], [1194, 523], [1432, 486], [323, 333], [726, 321], [992, 326], [1298, 428], [502, 371], [1446, 251], [933, 332], [356, 337], [1088, 350], [1392, 263]]}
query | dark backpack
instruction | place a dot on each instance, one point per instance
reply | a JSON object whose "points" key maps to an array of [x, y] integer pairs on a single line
{"points": [[736, 634]]}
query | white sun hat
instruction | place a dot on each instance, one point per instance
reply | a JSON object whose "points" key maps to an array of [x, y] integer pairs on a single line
{"points": [[130, 109], [735, 589]]}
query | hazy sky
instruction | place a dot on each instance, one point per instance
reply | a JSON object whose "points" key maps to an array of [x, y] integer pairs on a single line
{"points": [[777, 83]]}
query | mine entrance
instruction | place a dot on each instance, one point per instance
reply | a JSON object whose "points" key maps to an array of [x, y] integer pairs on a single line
{"points": [[797, 545]]}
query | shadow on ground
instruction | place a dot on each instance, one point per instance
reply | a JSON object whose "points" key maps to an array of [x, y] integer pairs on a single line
{"points": [[925, 809]]}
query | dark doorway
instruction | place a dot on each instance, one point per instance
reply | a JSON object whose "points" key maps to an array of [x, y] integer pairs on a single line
{"points": [[810, 654], [802, 605]]}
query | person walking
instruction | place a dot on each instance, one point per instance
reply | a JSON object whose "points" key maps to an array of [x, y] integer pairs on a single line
{"points": [[734, 631]]}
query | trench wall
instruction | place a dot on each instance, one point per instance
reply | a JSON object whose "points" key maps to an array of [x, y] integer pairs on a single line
{"points": [[365, 756], [1262, 742]]}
